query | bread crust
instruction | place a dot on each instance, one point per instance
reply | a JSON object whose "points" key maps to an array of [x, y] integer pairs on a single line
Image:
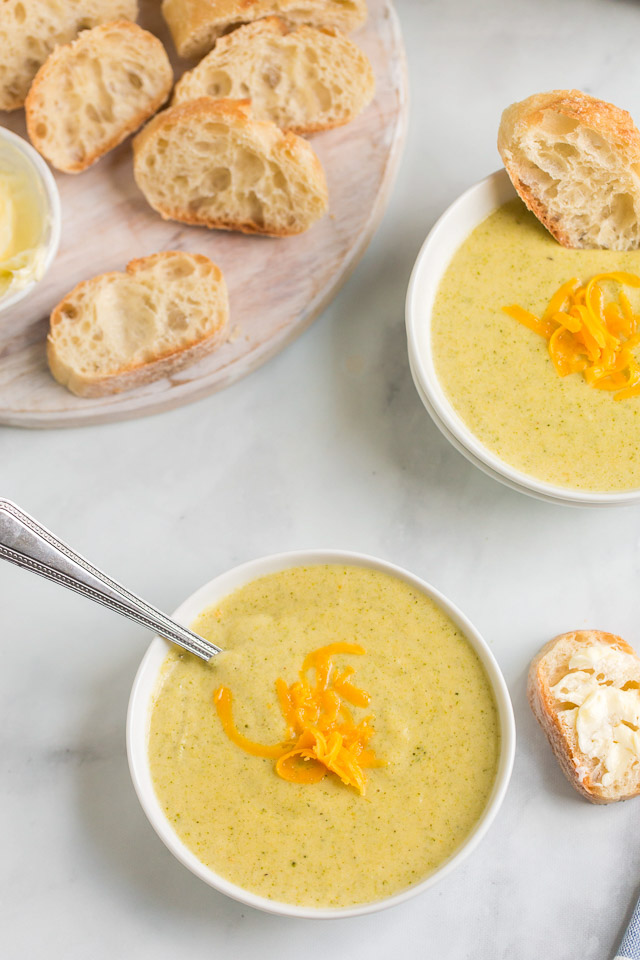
{"points": [[249, 36], [615, 125], [134, 374], [50, 25], [47, 75], [236, 112], [543, 705], [196, 24]]}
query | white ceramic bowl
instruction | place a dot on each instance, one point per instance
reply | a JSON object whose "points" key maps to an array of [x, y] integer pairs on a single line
{"points": [[453, 227], [49, 200], [145, 685]]}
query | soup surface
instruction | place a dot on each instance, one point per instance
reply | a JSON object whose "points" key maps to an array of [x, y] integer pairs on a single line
{"points": [[322, 844], [498, 374]]}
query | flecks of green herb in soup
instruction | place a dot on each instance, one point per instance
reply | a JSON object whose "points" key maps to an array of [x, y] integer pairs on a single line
{"points": [[497, 373], [436, 724]]}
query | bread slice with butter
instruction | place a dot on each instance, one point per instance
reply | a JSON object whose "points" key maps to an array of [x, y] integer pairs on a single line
{"points": [[92, 93], [575, 161], [302, 78], [118, 331], [584, 689], [31, 29], [209, 162], [196, 24]]}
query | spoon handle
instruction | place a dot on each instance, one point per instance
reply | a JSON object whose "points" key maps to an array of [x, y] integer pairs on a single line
{"points": [[29, 545]]}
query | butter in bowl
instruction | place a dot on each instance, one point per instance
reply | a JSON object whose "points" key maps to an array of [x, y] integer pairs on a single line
{"points": [[30, 218]]}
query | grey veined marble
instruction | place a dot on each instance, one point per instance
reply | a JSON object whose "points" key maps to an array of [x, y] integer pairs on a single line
{"points": [[327, 445]]}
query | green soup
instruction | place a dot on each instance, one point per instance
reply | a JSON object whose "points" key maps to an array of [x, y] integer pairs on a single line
{"points": [[498, 374], [322, 844]]}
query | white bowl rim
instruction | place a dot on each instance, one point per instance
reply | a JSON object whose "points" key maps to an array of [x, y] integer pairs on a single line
{"points": [[145, 682], [489, 194], [54, 210], [453, 440]]}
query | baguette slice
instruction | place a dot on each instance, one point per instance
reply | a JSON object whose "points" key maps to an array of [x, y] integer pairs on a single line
{"points": [[575, 161], [302, 78], [92, 93], [31, 29], [118, 331], [208, 162], [584, 688], [195, 24]]}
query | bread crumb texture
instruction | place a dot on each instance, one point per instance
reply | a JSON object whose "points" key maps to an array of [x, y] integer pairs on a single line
{"points": [[195, 24], [575, 161], [584, 688], [302, 78], [90, 94], [31, 29], [208, 162], [122, 330]]}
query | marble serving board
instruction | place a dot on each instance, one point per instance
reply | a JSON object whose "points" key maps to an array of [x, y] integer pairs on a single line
{"points": [[276, 286]]}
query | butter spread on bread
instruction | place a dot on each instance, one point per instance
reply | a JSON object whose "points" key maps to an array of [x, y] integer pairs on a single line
{"points": [[584, 688]]}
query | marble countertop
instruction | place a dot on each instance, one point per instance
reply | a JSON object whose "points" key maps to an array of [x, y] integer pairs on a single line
{"points": [[327, 445]]}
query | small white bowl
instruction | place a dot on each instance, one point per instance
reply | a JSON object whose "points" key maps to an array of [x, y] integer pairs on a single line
{"points": [[450, 231], [145, 685], [49, 200]]}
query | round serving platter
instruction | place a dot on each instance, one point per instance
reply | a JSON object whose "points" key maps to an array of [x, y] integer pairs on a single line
{"points": [[277, 287]]}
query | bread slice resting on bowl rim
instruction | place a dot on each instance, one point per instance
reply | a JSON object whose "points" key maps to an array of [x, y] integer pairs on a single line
{"points": [[575, 161]]}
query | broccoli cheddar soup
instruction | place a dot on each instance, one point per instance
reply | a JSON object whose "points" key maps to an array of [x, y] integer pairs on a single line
{"points": [[341, 748], [552, 384]]}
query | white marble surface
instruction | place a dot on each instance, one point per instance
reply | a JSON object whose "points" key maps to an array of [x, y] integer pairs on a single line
{"points": [[327, 445]]}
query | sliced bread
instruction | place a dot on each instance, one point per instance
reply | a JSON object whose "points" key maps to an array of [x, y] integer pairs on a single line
{"points": [[208, 162], [92, 93], [195, 24], [302, 78], [30, 29], [575, 161], [122, 330], [584, 688]]}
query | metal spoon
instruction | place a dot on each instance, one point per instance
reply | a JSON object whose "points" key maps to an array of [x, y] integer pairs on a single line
{"points": [[26, 543]]}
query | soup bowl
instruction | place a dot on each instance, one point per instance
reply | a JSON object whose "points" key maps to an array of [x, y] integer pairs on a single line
{"points": [[144, 687], [442, 242]]}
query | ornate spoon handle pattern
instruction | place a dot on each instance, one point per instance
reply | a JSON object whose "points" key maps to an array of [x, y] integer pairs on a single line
{"points": [[29, 545]]}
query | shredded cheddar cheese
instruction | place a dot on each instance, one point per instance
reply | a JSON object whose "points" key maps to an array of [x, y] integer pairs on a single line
{"points": [[321, 734], [590, 336]]}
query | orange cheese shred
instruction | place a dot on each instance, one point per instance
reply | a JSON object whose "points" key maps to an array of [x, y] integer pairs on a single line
{"points": [[588, 335], [223, 700], [529, 320], [321, 734]]}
